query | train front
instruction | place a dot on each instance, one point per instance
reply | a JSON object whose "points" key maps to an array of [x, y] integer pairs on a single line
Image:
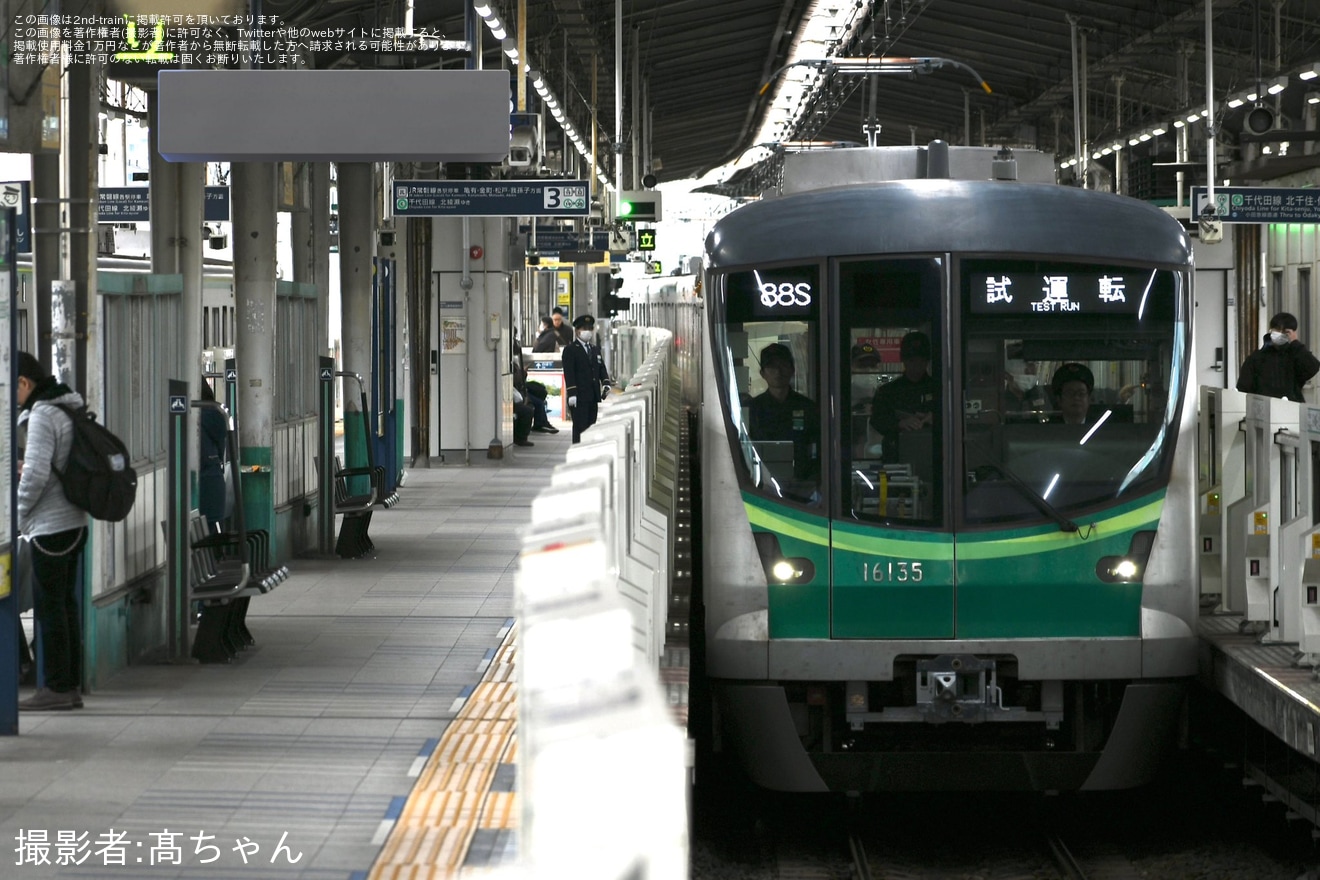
{"points": [[948, 468]]}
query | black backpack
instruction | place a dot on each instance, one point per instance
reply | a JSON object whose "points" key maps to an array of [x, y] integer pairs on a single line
{"points": [[97, 477]]}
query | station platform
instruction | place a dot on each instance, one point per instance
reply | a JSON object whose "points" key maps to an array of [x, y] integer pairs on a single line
{"points": [[368, 733], [1281, 699]]}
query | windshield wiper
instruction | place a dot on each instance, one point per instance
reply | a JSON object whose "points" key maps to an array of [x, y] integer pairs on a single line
{"points": [[1037, 500]]}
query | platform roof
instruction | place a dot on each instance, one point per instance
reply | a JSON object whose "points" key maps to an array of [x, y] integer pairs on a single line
{"points": [[705, 61]]}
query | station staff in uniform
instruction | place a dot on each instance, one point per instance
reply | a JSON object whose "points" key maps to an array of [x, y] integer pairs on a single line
{"points": [[586, 381]]}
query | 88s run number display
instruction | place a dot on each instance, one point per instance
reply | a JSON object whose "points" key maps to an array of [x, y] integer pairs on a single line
{"points": [[773, 294]]}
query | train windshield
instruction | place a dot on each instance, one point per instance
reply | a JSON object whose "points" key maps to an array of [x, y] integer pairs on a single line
{"points": [[767, 343], [1065, 375]]}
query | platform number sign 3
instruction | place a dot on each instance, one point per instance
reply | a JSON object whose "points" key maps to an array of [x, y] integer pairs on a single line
{"points": [[571, 198]]}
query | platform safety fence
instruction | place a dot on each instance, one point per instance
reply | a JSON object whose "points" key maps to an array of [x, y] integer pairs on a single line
{"points": [[603, 773], [1259, 516]]}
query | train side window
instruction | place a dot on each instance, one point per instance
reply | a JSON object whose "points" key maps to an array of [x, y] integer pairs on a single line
{"points": [[772, 375]]}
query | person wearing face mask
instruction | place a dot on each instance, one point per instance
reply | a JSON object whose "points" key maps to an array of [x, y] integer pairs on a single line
{"points": [[586, 381], [1281, 366]]}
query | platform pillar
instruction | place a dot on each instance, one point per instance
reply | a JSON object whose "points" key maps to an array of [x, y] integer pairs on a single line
{"points": [[163, 178], [192, 241], [254, 300], [357, 247]]}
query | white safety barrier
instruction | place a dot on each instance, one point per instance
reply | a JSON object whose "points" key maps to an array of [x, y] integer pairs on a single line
{"points": [[1219, 479], [1262, 556], [603, 769]]}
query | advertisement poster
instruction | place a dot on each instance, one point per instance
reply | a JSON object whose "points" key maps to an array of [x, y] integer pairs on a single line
{"points": [[453, 335], [553, 380]]}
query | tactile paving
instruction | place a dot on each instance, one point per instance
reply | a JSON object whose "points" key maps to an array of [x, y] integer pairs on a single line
{"points": [[466, 787]]}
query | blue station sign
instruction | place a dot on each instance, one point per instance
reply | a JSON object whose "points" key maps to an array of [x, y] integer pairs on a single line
{"points": [[17, 194], [1258, 204], [491, 198], [216, 207], [552, 241]]}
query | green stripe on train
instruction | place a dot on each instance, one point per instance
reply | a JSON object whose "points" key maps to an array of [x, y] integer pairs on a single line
{"points": [[1051, 591], [1041, 538]]}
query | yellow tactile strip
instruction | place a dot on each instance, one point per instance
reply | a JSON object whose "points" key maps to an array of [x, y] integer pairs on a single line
{"points": [[452, 799]]}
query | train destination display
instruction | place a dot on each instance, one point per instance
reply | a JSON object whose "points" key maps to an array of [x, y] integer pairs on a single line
{"points": [[1118, 291]]}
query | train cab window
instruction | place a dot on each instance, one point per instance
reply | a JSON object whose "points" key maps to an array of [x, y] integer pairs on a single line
{"points": [[766, 325], [1064, 375], [891, 397]]}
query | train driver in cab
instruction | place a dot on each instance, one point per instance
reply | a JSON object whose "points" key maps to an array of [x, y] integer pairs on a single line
{"points": [[780, 413], [908, 402], [1072, 386]]}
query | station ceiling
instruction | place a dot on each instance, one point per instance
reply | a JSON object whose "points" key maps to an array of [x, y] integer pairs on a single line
{"points": [[704, 63]]}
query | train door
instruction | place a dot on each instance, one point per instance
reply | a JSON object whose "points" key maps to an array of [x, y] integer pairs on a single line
{"points": [[890, 546]]}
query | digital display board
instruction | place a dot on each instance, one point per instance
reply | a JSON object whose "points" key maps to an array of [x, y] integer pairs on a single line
{"points": [[786, 293], [1118, 291]]}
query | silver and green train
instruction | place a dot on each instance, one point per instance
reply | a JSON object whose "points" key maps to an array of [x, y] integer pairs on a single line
{"points": [[990, 596]]}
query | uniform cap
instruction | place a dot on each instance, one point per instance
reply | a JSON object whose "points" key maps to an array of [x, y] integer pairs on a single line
{"points": [[915, 344], [1072, 373], [864, 356], [776, 353], [584, 322]]}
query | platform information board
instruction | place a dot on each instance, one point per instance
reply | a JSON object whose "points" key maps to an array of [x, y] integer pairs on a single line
{"points": [[491, 198], [123, 204], [553, 241], [1259, 204]]}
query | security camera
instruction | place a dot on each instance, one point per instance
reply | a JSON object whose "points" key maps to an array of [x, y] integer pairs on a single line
{"points": [[522, 146]]}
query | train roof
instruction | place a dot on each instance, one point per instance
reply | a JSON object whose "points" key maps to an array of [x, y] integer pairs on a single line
{"points": [[934, 216]]}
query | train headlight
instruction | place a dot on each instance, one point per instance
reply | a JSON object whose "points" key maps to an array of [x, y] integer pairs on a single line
{"points": [[779, 567], [1130, 567]]}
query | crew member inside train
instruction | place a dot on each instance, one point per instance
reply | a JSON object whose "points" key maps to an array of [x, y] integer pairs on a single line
{"points": [[781, 414], [908, 402], [1281, 366], [1072, 386]]}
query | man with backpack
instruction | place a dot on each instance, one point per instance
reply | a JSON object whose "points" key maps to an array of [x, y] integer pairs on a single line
{"points": [[57, 531]]}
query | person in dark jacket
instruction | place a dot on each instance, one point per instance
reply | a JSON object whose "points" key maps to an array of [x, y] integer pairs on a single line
{"points": [[1281, 366], [586, 381], [909, 401], [57, 531], [212, 452], [563, 332], [779, 413], [547, 340]]}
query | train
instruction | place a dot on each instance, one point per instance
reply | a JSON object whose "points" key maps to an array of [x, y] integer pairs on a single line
{"points": [[979, 574]]}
